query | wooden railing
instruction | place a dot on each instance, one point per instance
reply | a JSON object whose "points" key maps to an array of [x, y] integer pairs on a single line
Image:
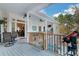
{"points": [[55, 44], [37, 39]]}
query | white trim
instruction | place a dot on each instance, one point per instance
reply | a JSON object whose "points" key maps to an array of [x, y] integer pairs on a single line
{"points": [[46, 35], [27, 27], [40, 16], [2, 30], [9, 27], [40, 6], [15, 25], [19, 22]]}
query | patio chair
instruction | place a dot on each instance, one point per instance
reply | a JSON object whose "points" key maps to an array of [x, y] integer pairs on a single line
{"points": [[7, 39], [13, 35]]}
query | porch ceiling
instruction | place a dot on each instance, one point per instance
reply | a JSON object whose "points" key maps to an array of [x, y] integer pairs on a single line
{"points": [[21, 8]]}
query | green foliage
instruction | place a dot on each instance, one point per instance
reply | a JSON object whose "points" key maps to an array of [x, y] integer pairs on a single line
{"points": [[76, 18], [69, 19], [1, 21], [72, 21]]}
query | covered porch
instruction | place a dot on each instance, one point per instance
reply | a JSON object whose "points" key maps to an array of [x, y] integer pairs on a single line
{"points": [[39, 30]]}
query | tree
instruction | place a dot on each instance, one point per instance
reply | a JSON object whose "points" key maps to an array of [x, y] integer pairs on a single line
{"points": [[76, 16], [70, 21], [66, 20], [76, 21]]}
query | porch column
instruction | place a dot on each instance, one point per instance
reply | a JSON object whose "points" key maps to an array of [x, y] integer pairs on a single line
{"points": [[9, 29], [27, 28], [2, 30], [46, 35], [16, 25]]}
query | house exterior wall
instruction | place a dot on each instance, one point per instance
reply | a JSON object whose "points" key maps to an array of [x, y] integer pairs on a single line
{"points": [[35, 21], [55, 28], [10, 18], [0, 13]]}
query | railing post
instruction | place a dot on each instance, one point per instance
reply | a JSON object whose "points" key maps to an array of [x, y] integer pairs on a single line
{"points": [[54, 43], [63, 49], [46, 35], [48, 42], [60, 45], [57, 44]]}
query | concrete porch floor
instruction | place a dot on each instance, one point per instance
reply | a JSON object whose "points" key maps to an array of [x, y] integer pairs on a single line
{"points": [[23, 49]]}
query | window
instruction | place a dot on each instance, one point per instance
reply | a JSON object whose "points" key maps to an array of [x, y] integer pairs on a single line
{"points": [[51, 29], [5, 24], [44, 28], [34, 28], [39, 28], [13, 26]]}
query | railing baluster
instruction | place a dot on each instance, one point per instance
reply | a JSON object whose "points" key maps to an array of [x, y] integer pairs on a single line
{"points": [[60, 45], [54, 43], [63, 49], [49, 42], [57, 44]]}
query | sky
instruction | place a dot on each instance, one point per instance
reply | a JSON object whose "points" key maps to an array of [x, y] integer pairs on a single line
{"points": [[56, 8]]}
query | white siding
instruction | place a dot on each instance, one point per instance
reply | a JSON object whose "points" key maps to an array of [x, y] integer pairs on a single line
{"points": [[35, 21]]}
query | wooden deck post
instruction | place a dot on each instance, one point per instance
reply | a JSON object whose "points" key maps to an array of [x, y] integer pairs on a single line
{"points": [[46, 36]]}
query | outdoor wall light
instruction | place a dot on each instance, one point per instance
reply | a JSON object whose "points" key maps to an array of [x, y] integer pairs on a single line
{"points": [[41, 20]]}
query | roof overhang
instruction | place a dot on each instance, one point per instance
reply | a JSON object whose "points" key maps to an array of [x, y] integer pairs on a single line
{"points": [[21, 8]]}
